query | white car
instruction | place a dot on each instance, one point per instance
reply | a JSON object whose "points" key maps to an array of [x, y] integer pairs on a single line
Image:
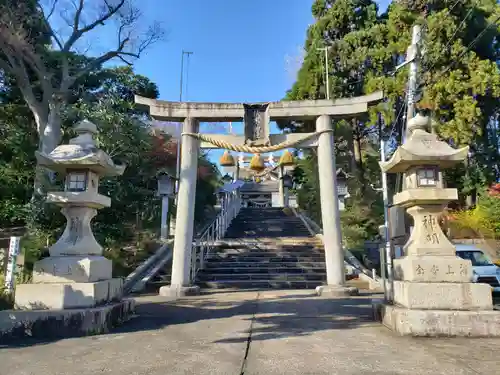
{"points": [[484, 270]]}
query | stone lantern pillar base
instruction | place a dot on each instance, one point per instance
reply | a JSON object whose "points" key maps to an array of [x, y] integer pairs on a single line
{"points": [[69, 282], [433, 296], [67, 295], [438, 323]]}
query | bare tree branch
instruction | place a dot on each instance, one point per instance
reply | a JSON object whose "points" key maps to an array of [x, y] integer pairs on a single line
{"points": [[48, 25], [77, 32], [76, 20], [154, 34], [23, 56], [52, 9]]}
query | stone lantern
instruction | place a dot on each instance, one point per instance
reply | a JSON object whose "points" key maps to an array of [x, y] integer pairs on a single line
{"points": [[342, 191], [76, 275], [166, 186], [433, 293]]}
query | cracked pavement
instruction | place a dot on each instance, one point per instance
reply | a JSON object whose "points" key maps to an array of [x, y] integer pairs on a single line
{"points": [[268, 332]]}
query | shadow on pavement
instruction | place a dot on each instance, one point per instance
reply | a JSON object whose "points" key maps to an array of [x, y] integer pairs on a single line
{"points": [[273, 317]]}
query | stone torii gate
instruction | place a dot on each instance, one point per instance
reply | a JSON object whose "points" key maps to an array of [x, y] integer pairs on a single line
{"points": [[257, 140]]}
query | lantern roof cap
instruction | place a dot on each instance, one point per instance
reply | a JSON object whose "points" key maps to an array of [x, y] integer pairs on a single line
{"points": [[423, 148], [80, 153], [85, 126]]}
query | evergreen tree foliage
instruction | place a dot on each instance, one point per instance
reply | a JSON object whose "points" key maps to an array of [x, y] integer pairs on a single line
{"points": [[459, 82]]}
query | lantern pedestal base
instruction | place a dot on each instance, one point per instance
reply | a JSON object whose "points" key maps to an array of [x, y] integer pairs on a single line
{"points": [[77, 269], [443, 296], [58, 296], [438, 269], [438, 323]]}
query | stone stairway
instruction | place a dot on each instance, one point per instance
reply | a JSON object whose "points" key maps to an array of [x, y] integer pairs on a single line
{"points": [[265, 248]]}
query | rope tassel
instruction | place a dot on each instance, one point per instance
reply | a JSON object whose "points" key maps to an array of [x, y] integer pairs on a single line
{"points": [[257, 163]]}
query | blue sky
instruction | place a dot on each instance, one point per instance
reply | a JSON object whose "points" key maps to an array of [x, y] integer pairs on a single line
{"points": [[240, 48]]}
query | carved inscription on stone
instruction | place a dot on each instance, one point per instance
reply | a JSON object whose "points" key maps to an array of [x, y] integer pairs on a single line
{"points": [[450, 270], [463, 270], [430, 224], [75, 230], [432, 238], [426, 143], [256, 124], [419, 270], [434, 270]]}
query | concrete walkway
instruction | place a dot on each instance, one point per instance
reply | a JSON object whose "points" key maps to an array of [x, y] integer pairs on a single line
{"points": [[234, 333]]}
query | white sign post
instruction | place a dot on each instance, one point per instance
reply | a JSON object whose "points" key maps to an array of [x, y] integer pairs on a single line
{"points": [[11, 263]]}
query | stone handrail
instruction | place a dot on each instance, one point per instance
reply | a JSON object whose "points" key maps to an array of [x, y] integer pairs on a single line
{"points": [[131, 281], [215, 232], [150, 267], [349, 258]]}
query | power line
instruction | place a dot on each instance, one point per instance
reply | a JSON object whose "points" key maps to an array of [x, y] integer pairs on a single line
{"points": [[448, 44], [395, 122], [471, 45]]}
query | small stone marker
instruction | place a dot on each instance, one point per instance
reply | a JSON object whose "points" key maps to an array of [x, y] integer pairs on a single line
{"points": [[14, 249]]}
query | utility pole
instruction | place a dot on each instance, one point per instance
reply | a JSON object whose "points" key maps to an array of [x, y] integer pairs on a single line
{"points": [[387, 258], [397, 214], [187, 53], [413, 52], [327, 79], [386, 272], [179, 131]]}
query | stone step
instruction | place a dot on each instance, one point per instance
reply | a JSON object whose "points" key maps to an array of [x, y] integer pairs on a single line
{"points": [[283, 225], [248, 250], [263, 270], [260, 234], [275, 243], [261, 276], [267, 254], [251, 265], [258, 259], [262, 284]]}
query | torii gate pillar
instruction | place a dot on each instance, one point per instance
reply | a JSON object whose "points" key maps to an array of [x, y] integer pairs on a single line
{"points": [[180, 284], [330, 213]]}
